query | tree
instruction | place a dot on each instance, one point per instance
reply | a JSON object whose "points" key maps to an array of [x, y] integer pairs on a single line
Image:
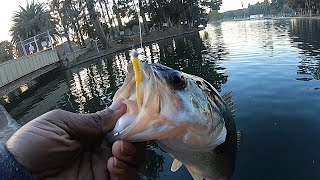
{"points": [[296, 4], [117, 12], [73, 16], [80, 19], [143, 7], [30, 21], [96, 23], [276, 6], [174, 12], [305, 6], [6, 51], [56, 6]]}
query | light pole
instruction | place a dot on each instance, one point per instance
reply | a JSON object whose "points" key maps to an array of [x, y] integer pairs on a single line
{"points": [[242, 5]]}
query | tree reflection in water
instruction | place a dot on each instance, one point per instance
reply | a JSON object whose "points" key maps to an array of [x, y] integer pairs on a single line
{"points": [[154, 163], [305, 36]]}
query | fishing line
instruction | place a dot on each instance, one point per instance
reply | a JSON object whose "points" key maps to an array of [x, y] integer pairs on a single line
{"points": [[113, 136], [140, 27]]}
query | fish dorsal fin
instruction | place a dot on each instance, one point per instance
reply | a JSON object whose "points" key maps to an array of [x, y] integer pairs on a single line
{"points": [[194, 173], [176, 164], [239, 139], [228, 99]]}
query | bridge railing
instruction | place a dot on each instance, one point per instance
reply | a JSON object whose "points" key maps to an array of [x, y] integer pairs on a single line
{"points": [[15, 69], [35, 44]]}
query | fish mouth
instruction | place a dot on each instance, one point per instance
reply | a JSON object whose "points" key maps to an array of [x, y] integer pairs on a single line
{"points": [[152, 121]]}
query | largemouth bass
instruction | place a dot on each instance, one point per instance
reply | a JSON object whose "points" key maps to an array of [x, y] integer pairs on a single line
{"points": [[185, 115]]}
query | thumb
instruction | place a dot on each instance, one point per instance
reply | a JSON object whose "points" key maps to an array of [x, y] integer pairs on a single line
{"points": [[87, 128], [111, 115]]}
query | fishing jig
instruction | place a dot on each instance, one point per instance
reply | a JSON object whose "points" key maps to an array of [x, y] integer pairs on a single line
{"points": [[138, 76]]}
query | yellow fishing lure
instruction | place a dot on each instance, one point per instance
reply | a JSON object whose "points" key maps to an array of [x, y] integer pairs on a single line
{"points": [[138, 76]]}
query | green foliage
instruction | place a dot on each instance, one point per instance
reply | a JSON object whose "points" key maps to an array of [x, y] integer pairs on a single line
{"points": [[296, 4], [274, 7], [99, 19], [30, 21], [6, 51], [175, 12], [310, 6], [215, 15]]}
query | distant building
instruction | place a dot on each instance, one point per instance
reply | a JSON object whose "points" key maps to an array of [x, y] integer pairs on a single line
{"points": [[256, 16]]}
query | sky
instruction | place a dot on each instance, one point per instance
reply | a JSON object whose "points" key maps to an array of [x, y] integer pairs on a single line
{"points": [[8, 8]]}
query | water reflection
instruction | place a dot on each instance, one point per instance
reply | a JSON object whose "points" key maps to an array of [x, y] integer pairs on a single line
{"points": [[305, 36], [93, 85], [154, 164], [214, 53], [36, 98]]}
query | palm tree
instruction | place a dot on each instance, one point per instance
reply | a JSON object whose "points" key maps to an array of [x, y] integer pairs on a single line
{"points": [[30, 21]]}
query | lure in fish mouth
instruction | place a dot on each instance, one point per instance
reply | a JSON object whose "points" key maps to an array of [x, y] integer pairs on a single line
{"points": [[185, 115]]}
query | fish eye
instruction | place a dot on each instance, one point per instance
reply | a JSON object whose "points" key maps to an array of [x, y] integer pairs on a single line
{"points": [[177, 80]]}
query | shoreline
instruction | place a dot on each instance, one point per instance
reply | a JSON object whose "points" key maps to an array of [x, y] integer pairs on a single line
{"points": [[297, 17], [153, 36], [269, 18]]}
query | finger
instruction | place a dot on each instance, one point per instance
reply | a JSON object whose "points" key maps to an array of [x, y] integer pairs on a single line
{"points": [[131, 153], [120, 170], [99, 158], [87, 128], [125, 151], [110, 116]]}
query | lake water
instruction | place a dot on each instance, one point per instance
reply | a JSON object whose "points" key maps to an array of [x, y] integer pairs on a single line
{"points": [[271, 67]]}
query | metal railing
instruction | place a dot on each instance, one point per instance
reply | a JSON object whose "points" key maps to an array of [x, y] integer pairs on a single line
{"points": [[35, 44]]}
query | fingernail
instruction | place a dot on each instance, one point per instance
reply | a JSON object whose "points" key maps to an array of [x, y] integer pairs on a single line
{"points": [[115, 162], [116, 105], [118, 164], [128, 149]]}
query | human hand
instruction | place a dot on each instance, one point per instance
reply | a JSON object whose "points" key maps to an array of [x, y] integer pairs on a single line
{"points": [[65, 145]]}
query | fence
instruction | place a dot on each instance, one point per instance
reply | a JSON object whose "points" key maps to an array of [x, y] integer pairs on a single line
{"points": [[38, 43]]}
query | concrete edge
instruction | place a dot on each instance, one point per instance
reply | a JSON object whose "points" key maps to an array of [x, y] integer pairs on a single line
{"points": [[8, 125]]}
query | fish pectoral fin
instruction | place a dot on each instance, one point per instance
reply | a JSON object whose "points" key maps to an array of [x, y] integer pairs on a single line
{"points": [[239, 139], [176, 164], [230, 103], [194, 173]]}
